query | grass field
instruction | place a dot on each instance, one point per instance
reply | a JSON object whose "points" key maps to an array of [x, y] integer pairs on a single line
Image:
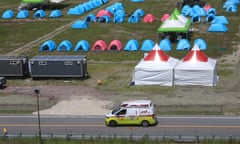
{"points": [[113, 68]]}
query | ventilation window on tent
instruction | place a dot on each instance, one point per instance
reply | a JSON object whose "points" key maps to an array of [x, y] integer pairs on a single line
{"points": [[42, 63]]}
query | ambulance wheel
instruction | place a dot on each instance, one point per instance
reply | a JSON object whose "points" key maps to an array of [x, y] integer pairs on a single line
{"points": [[145, 123], [112, 123]]}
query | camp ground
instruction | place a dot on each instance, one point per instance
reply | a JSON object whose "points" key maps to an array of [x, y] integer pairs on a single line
{"points": [[84, 28]]}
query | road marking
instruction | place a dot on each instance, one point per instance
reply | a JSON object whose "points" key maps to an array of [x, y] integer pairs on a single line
{"points": [[101, 125]]}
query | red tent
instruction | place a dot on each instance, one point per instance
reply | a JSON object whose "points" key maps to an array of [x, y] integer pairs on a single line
{"points": [[149, 18], [115, 45], [99, 45], [102, 13], [165, 17]]}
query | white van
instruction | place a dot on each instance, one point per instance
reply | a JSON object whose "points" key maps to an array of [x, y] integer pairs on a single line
{"points": [[137, 104], [131, 114]]}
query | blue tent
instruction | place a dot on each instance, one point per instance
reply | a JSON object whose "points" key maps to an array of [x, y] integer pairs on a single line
{"points": [[87, 6], [210, 17], [220, 19], [196, 18], [147, 45], [139, 12], [115, 7], [217, 27], [118, 19], [165, 45], [82, 45], [201, 43], [48, 45], [230, 6], [77, 10], [80, 24], [197, 10], [90, 18], [134, 19], [65, 45], [137, 0], [120, 13], [212, 11], [186, 10], [132, 45], [55, 14], [183, 44], [104, 18], [22, 14], [8, 14], [39, 14]]}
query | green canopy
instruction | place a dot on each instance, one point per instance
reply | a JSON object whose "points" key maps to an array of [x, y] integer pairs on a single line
{"points": [[32, 1], [176, 23]]}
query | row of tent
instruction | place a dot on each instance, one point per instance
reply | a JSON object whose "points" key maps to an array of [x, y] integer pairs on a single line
{"points": [[157, 68], [86, 6], [218, 23], [22, 14], [116, 45]]}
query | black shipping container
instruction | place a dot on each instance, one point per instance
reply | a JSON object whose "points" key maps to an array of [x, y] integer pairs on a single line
{"points": [[58, 66], [14, 66]]}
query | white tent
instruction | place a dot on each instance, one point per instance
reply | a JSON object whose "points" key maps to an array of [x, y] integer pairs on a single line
{"points": [[156, 68], [196, 68]]}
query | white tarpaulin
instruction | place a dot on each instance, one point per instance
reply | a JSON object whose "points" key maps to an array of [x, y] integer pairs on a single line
{"points": [[196, 69], [155, 69]]}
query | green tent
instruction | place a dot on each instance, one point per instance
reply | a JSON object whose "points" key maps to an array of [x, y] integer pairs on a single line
{"points": [[32, 1], [176, 23]]}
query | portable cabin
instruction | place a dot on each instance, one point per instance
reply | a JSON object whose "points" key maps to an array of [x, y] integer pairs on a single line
{"points": [[58, 66], [13, 66]]}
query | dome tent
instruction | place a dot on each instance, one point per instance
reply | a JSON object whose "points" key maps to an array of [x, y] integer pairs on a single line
{"points": [[201, 43], [48, 45], [134, 18], [8, 14], [55, 14], [118, 19], [149, 18], [139, 12], [82, 45], [80, 24], [22, 14], [90, 18], [104, 18], [165, 45], [165, 17], [147, 45], [39, 14], [102, 13], [183, 44], [99, 45], [220, 19], [64, 45], [115, 45], [156, 68], [217, 27], [132, 45], [196, 68]]}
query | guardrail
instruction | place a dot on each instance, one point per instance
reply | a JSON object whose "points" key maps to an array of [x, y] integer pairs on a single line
{"points": [[175, 138]]}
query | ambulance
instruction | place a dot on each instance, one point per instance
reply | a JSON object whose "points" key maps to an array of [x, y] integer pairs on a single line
{"points": [[139, 112]]}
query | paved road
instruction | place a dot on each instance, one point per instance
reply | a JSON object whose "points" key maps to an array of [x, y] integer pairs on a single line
{"points": [[93, 126]]}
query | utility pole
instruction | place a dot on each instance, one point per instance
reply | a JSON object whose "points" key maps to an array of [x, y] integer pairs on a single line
{"points": [[37, 92]]}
